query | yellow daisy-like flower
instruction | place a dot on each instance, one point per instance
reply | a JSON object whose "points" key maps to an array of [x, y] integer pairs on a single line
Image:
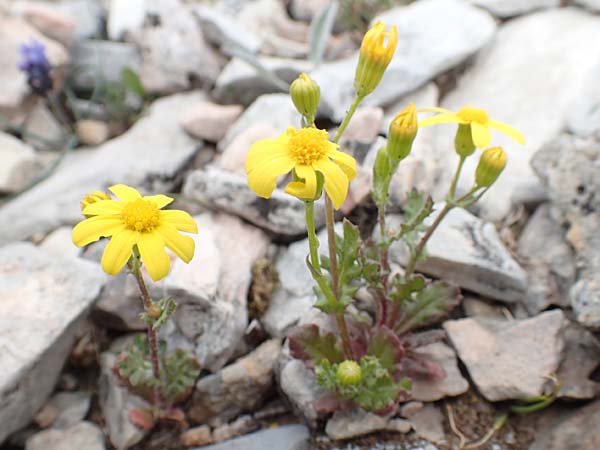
{"points": [[307, 151], [139, 221], [376, 51], [479, 121]]}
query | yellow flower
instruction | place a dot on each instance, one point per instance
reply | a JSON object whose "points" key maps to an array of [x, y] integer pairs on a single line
{"points": [[136, 220], [491, 164], [376, 52], [478, 120], [94, 197], [307, 151]]}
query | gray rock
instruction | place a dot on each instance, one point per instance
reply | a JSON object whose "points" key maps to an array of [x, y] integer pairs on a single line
{"points": [[508, 72], [234, 155], [41, 123], [241, 386], [116, 401], [65, 409], [60, 243], [584, 117], [149, 155], [424, 51], [210, 121], [192, 437], [428, 423], [353, 423], [20, 164], [82, 435], [511, 8], [281, 214], [89, 15], [306, 9], [509, 359], [212, 290], [592, 5], [125, 17], [242, 425], [119, 305], [468, 252], [44, 297], [399, 426], [286, 437]]}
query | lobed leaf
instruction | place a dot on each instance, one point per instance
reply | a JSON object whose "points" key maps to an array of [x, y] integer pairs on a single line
{"points": [[308, 344]]}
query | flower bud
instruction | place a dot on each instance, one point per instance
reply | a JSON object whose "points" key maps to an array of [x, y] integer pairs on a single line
{"points": [[491, 164], [402, 133], [349, 373], [306, 95], [154, 311], [375, 54], [463, 141], [94, 197]]}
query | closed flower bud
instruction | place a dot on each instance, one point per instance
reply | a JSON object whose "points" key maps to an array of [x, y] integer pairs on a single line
{"points": [[349, 373], [154, 311], [463, 141], [376, 52], [491, 164], [402, 133], [94, 197], [306, 95]]}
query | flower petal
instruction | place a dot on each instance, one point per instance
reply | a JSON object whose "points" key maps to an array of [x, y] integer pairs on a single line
{"points": [[92, 229], [182, 246], [103, 207], [336, 181], [160, 200], [179, 219], [304, 190], [152, 250], [263, 170], [508, 130], [263, 151], [118, 251], [481, 135], [441, 118], [436, 110], [124, 192], [346, 162]]}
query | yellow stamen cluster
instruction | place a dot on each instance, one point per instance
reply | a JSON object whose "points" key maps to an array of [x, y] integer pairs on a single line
{"points": [[307, 145], [93, 197], [140, 215]]}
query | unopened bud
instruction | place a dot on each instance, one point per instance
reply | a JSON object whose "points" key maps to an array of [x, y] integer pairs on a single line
{"points": [[491, 164], [93, 197], [349, 373], [154, 311], [376, 52], [463, 141], [306, 95], [402, 133]]}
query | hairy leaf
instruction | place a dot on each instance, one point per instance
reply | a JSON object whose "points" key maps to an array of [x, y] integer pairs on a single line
{"points": [[308, 344], [386, 347], [181, 371], [417, 365], [320, 32]]}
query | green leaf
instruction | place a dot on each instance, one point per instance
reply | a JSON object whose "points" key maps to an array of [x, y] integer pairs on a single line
{"points": [[132, 82], [308, 344], [386, 347], [165, 307], [181, 371], [348, 266], [321, 28], [135, 367], [252, 60], [403, 290], [382, 176]]}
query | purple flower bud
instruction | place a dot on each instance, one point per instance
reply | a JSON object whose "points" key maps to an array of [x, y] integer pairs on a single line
{"points": [[37, 67]]}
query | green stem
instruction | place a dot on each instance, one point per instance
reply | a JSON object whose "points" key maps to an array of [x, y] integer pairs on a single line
{"points": [[313, 241], [346, 121], [452, 190], [384, 266]]}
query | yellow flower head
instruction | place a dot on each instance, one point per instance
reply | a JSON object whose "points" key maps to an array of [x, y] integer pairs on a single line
{"points": [[402, 132], [94, 197], [376, 52], [478, 120], [306, 151], [135, 220], [491, 164]]}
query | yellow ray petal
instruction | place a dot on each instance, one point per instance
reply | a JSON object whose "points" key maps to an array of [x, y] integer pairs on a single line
{"points": [[159, 200], [436, 110], [118, 251], [124, 192], [152, 250], [92, 229], [261, 177], [103, 207], [304, 190], [346, 162], [336, 181], [481, 135], [441, 118], [179, 219], [182, 246], [263, 151], [508, 130]]}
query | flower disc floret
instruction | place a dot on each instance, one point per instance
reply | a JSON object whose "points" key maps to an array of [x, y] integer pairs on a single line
{"points": [[140, 215], [307, 145]]}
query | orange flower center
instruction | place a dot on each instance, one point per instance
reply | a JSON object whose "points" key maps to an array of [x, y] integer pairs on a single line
{"points": [[307, 145], [473, 115], [140, 215]]}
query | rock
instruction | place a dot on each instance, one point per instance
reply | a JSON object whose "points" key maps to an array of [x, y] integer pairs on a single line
{"points": [[56, 200], [281, 214], [410, 408], [468, 252], [549, 261], [43, 130], [511, 8], [44, 297], [286, 437], [119, 306], [210, 121], [234, 155], [116, 401], [509, 359], [65, 409], [364, 126], [399, 426], [353, 423], [92, 132], [49, 20], [92, 56], [503, 66], [212, 290], [125, 17], [582, 353], [592, 5], [429, 424], [451, 385], [241, 425], [240, 82], [82, 435], [19, 164], [14, 90], [196, 436], [420, 56], [477, 307], [241, 386], [89, 14], [306, 9], [583, 119]]}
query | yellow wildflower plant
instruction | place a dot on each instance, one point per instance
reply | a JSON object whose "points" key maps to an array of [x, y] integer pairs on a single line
{"points": [[306, 151], [139, 221], [479, 121], [376, 51]]}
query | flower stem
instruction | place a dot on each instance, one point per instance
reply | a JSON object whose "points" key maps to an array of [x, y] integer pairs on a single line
{"points": [[313, 241], [452, 190], [347, 118], [384, 266]]}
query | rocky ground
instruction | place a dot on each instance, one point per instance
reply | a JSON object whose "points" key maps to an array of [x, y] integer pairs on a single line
{"points": [[526, 258]]}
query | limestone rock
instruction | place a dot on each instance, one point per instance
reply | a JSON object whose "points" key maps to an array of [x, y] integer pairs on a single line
{"points": [[196, 436], [429, 424], [49, 20], [41, 123], [511, 8], [509, 360], [592, 5], [65, 409], [92, 132], [43, 299], [125, 17], [234, 155], [17, 159], [286, 437], [353, 423], [210, 121], [83, 435]]}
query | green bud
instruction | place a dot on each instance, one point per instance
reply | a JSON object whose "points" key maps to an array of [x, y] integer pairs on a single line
{"points": [[349, 373], [491, 164], [463, 141], [382, 176], [306, 95], [402, 132]]}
